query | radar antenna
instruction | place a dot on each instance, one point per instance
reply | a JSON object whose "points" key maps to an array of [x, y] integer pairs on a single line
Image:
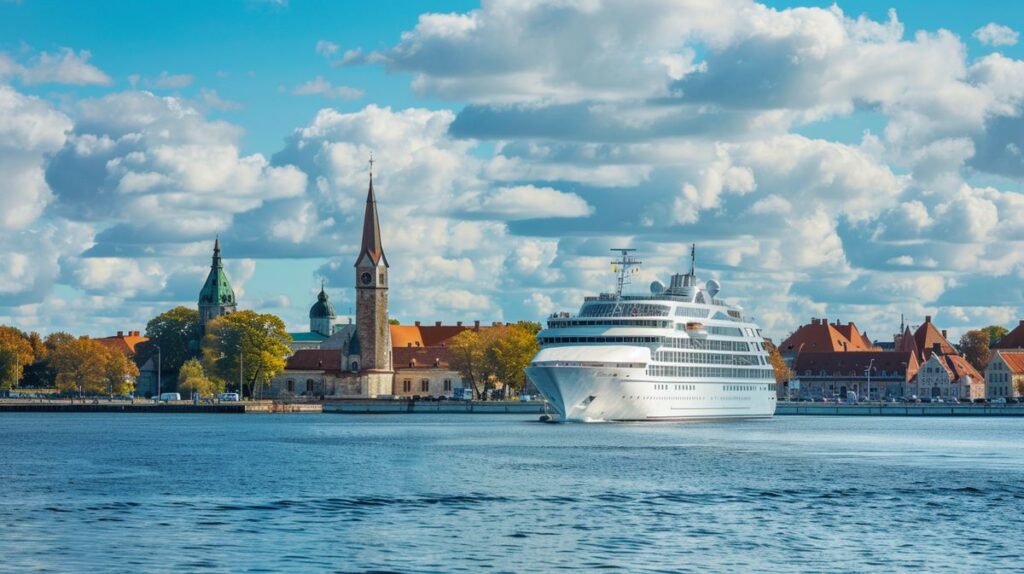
{"points": [[693, 260], [622, 267]]}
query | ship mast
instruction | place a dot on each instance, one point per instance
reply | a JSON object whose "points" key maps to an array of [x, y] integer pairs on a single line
{"points": [[622, 266]]}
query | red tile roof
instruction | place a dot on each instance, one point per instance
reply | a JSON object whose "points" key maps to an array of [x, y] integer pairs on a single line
{"points": [[315, 360], [426, 335], [821, 336], [927, 336], [845, 364], [1013, 359], [1012, 340], [124, 343], [961, 367], [421, 357]]}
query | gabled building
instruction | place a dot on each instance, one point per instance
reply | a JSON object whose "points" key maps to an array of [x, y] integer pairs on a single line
{"points": [[820, 336], [948, 377], [870, 374], [1004, 375], [124, 341], [929, 339]]}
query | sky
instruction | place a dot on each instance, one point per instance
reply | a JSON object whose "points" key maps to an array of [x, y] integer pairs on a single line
{"points": [[853, 160]]}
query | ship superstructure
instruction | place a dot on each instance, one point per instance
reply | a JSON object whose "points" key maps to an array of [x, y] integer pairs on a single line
{"points": [[678, 353]]}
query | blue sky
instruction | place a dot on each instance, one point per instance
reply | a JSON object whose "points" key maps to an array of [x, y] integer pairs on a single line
{"points": [[857, 161]]}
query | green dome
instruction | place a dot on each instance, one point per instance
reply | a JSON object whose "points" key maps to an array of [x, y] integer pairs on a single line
{"points": [[322, 309]]}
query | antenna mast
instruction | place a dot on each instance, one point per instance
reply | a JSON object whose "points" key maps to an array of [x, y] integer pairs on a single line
{"points": [[622, 265]]}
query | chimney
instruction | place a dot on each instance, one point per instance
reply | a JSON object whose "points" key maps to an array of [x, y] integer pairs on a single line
{"points": [[927, 318], [417, 323], [937, 348], [458, 324], [120, 333], [944, 334], [437, 323]]}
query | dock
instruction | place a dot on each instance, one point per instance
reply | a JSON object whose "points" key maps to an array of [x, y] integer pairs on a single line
{"points": [[247, 407], [899, 410], [417, 407]]}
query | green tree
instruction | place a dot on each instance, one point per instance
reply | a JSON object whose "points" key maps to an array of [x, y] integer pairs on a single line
{"points": [[16, 353], [511, 351], [994, 332], [192, 378], [260, 339], [974, 346], [176, 332]]}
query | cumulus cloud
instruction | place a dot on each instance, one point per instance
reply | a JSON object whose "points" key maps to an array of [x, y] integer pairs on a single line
{"points": [[528, 202], [993, 34]]}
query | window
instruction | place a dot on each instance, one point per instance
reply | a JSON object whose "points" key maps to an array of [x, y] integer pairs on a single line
{"points": [[447, 385], [425, 385], [290, 386], [406, 386], [309, 385]]}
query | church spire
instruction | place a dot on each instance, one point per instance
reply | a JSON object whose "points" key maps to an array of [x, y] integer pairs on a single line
{"points": [[371, 246], [216, 254]]}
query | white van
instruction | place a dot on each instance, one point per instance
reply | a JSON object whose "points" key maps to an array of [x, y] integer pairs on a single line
{"points": [[170, 396], [228, 397]]}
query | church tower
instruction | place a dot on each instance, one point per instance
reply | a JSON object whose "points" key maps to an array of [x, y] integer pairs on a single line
{"points": [[217, 297], [372, 328], [322, 315]]}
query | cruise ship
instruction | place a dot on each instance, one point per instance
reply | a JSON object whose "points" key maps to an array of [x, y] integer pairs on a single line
{"points": [[676, 354]]}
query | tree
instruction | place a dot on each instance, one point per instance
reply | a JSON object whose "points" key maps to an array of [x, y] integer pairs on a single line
{"points": [[192, 378], [974, 346], [469, 357], [260, 339], [782, 372], [16, 353], [511, 351], [118, 370], [393, 321], [176, 332], [80, 367], [994, 332]]}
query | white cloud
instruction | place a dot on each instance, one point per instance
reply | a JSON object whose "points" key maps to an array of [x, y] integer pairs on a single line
{"points": [[993, 34], [64, 67], [321, 87], [528, 202], [168, 81], [326, 48]]}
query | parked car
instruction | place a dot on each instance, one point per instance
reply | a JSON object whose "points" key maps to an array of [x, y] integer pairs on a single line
{"points": [[1012, 400], [170, 396], [954, 401], [999, 401], [228, 397], [980, 401], [462, 394]]}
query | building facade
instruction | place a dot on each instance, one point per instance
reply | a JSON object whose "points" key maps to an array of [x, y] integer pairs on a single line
{"points": [[1004, 375], [948, 377]]}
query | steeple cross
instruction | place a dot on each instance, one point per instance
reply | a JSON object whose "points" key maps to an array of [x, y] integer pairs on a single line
{"points": [[371, 163]]}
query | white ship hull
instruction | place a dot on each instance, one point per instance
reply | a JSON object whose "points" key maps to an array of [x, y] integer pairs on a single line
{"points": [[595, 394]]}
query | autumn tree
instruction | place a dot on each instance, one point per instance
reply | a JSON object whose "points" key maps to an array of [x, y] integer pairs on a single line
{"points": [[994, 332], [510, 353], [87, 367], [176, 332], [246, 342], [192, 378], [974, 346], [469, 356], [782, 372], [16, 353]]}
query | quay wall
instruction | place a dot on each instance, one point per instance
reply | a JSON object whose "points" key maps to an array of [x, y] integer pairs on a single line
{"points": [[150, 407], [383, 407], [900, 410]]}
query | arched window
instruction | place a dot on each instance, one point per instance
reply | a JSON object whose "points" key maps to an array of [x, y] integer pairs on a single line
{"points": [[354, 366]]}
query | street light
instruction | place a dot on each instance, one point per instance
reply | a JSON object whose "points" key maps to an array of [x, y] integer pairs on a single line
{"points": [[241, 371], [867, 372]]}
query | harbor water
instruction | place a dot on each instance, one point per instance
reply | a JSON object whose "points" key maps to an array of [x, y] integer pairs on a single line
{"points": [[96, 492]]}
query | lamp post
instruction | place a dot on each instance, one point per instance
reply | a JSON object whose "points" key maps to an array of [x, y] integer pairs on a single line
{"points": [[158, 361], [867, 372]]}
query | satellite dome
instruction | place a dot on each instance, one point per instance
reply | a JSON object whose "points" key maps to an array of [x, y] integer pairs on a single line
{"points": [[657, 287], [713, 287]]}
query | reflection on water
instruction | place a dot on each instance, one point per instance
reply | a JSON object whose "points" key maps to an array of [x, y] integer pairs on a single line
{"points": [[137, 492]]}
